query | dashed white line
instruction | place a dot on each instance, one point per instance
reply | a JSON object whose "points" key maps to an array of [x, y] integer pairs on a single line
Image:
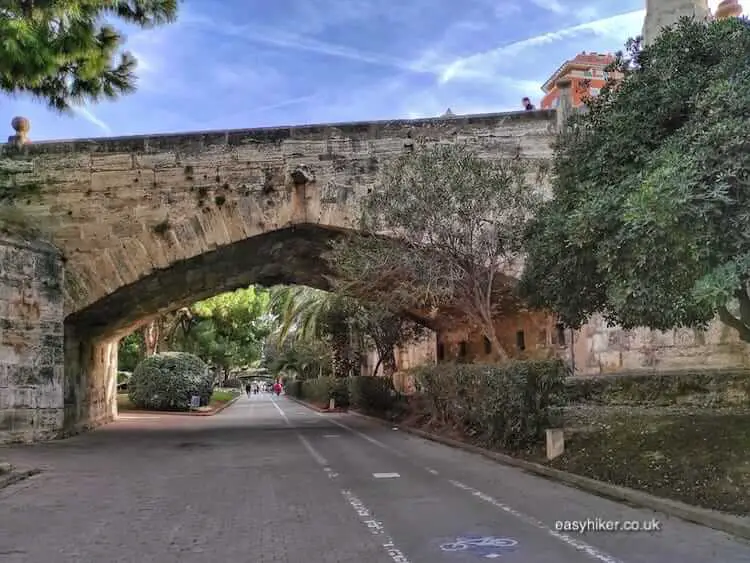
{"points": [[375, 526], [370, 439], [385, 475], [576, 544], [579, 545]]}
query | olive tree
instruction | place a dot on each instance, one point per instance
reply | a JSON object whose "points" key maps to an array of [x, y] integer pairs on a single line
{"points": [[443, 229]]}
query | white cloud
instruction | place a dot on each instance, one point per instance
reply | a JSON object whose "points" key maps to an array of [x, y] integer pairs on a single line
{"points": [[485, 65], [89, 116], [554, 6]]}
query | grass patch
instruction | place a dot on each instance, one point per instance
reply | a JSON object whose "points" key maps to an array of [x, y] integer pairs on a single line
{"points": [[697, 456], [701, 458], [221, 396]]}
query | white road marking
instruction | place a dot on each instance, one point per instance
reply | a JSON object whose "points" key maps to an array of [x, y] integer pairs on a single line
{"points": [[576, 544], [385, 475], [331, 436], [370, 439], [579, 545], [376, 527], [308, 446]]}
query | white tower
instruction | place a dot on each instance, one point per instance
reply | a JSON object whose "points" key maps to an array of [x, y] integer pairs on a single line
{"points": [[661, 13]]}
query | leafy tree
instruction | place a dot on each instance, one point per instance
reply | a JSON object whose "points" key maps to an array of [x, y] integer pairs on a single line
{"points": [[305, 358], [131, 351], [648, 224], [227, 330], [456, 222], [62, 52]]}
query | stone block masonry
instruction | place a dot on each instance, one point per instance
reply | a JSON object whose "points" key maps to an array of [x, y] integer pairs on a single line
{"points": [[31, 341]]}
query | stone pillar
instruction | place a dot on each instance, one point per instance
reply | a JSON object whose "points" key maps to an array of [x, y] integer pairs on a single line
{"points": [[565, 107], [663, 13], [31, 341], [90, 383]]}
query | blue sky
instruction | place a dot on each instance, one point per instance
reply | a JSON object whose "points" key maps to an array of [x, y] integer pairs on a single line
{"points": [[251, 63]]}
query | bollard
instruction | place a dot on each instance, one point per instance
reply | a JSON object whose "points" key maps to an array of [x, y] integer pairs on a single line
{"points": [[555, 443], [331, 404]]}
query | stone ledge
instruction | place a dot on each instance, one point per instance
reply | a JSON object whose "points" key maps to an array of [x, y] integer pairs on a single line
{"points": [[217, 410], [238, 137], [728, 523], [15, 474]]}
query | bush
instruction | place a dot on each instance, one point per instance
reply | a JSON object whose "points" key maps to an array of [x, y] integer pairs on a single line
{"points": [[372, 394], [168, 381], [293, 388], [709, 387], [233, 383], [322, 389], [508, 405]]}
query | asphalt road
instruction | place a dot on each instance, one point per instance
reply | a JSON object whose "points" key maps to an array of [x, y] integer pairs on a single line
{"points": [[269, 481]]}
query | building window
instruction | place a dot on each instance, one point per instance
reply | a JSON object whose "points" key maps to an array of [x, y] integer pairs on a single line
{"points": [[560, 334], [487, 346], [462, 349], [440, 351], [520, 340]]}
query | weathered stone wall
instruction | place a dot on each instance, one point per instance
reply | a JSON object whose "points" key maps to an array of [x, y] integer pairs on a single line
{"points": [[31, 341], [602, 349], [598, 349]]}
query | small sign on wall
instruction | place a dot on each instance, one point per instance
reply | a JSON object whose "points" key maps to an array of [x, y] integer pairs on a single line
{"points": [[195, 402]]}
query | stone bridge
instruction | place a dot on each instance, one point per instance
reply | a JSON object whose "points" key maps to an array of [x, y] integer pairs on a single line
{"points": [[143, 225]]}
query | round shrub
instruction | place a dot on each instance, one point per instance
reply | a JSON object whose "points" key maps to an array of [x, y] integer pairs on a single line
{"points": [[168, 381]]}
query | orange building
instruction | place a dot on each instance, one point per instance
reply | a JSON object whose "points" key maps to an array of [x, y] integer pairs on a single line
{"points": [[587, 75]]}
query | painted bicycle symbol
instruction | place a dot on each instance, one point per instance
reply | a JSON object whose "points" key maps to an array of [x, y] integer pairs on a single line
{"points": [[488, 546]]}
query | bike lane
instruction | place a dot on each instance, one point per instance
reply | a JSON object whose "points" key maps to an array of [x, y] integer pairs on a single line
{"points": [[430, 519]]}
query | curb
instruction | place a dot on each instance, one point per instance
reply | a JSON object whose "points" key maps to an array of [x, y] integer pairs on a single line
{"points": [[705, 517], [15, 475], [315, 408], [178, 413]]}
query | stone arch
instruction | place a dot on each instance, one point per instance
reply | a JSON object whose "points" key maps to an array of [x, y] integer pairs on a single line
{"points": [[290, 255]]}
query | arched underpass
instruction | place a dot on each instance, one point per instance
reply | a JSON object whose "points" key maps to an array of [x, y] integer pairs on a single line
{"points": [[290, 256]]}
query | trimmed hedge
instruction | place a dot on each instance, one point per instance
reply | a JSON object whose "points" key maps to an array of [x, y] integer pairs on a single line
{"points": [[708, 388], [168, 381], [372, 394], [508, 405]]}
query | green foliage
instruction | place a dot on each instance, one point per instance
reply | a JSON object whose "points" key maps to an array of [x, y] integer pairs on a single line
{"points": [[456, 221], [63, 53], [131, 350], [705, 388], [307, 314], [307, 359], [509, 405], [372, 394], [168, 381], [228, 330], [648, 222]]}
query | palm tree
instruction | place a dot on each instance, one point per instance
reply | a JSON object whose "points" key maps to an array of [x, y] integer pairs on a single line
{"points": [[310, 314]]}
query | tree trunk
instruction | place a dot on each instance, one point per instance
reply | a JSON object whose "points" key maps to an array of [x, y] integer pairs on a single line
{"points": [[377, 366], [151, 337], [497, 348]]}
